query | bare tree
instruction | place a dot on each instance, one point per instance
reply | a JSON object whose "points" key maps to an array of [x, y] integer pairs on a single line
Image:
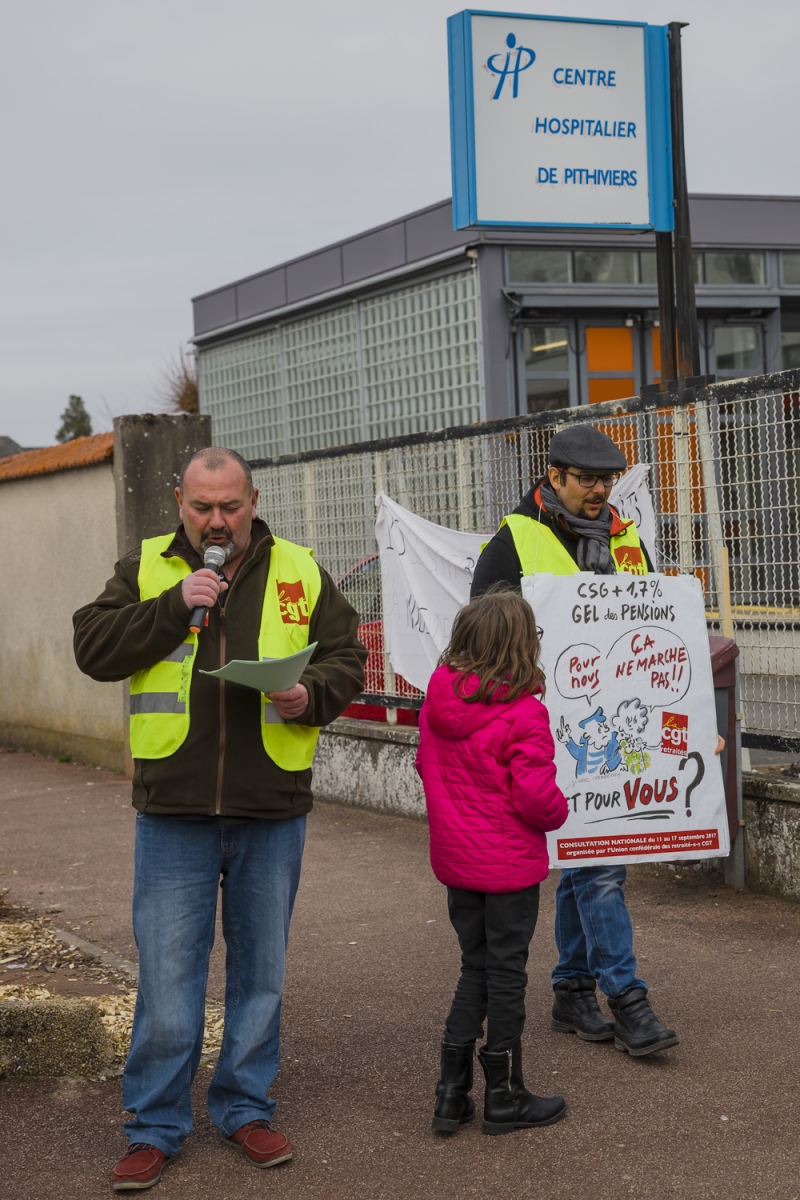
{"points": [[178, 390]]}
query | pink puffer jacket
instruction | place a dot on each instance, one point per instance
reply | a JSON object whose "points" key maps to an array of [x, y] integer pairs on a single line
{"points": [[490, 785]]}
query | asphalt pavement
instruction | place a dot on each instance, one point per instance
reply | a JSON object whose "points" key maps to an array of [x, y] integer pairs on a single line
{"points": [[372, 964]]}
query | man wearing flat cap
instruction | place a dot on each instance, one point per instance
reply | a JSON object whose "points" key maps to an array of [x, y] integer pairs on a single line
{"points": [[563, 525]]}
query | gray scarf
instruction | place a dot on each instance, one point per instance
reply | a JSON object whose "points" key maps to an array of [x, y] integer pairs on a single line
{"points": [[593, 535]]}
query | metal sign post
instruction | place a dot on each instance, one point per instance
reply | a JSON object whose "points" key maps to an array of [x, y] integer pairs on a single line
{"points": [[688, 364]]}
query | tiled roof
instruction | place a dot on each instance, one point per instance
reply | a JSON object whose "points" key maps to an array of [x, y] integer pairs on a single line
{"points": [[82, 452]]}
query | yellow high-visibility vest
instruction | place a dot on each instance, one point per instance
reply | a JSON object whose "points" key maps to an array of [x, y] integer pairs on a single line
{"points": [[540, 550], [160, 695]]}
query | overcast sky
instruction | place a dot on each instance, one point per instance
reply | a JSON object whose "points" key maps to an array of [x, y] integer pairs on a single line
{"points": [[155, 149]]}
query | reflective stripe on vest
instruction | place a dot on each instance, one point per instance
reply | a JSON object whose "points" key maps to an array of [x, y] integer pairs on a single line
{"points": [[540, 550], [159, 703]]}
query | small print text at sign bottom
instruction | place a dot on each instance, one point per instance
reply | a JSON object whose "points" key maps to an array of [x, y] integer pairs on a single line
{"points": [[638, 843]]}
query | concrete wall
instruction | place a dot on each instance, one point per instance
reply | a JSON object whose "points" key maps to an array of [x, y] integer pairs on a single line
{"points": [[369, 765], [61, 546], [372, 766], [772, 834]]}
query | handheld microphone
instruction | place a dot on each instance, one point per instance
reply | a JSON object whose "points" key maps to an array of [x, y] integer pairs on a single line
{"points": [[214, 559]]}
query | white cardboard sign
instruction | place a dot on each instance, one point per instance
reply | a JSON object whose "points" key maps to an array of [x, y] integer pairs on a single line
{"points": [[631, 701]]}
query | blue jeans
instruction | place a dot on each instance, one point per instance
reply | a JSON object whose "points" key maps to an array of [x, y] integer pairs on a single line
{"points": [[593, 930], [178, 864]]}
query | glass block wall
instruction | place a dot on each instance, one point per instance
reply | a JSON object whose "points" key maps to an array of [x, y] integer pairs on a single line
{"points": [[400, 362], [242, 388], [420, 357]]}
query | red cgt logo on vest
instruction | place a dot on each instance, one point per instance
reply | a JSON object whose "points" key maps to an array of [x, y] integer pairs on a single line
{"points": [[630, 559], [293, 603]]}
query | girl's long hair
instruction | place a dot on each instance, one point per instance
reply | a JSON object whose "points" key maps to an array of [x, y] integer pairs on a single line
{"points": [[495, 638]]}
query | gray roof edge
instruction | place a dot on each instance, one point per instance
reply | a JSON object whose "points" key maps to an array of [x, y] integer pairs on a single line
{"points": [[739, 196], [325, 298], [353, 237], [479, 231]]}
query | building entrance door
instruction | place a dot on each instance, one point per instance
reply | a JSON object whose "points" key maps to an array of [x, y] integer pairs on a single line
{"points": [[610, 364]]}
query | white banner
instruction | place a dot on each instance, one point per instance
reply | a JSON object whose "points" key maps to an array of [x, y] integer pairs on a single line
{"points": [[631, 497], [426, 573], [631, 701]]}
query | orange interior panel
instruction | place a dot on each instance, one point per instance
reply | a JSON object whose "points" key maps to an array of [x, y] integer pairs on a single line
{"points": [[609, 348], [610, 389], [668, 471], [623, 434]]}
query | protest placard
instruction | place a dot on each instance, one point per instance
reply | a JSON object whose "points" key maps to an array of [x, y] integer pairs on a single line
{"points": [[631, 700]]}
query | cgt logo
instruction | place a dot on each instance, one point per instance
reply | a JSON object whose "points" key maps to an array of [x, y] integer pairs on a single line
{"points": [[292, 603], [514, 63], [630, 559]]}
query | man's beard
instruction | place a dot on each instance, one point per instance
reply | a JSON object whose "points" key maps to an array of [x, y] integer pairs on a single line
{"points": [[587, 516], [228, 546]]}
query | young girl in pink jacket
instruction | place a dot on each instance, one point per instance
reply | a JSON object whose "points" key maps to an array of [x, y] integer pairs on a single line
{"points": [[486, 759]]}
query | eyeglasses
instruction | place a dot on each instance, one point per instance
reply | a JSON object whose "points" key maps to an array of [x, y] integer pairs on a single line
{"points": [[588, 481]]}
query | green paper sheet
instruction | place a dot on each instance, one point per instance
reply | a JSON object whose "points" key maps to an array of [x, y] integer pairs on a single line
{"points": [[268, 675]]}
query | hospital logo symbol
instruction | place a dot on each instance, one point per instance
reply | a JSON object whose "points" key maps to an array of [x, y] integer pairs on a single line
{"points": [[510, 65]]}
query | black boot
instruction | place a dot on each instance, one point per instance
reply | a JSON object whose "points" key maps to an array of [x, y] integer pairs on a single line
{"points": [[575, 1010], [508, 1105], [637, 1028], [454, 1105]]}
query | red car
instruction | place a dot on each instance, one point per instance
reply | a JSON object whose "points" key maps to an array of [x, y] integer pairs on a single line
{"points": [[362, 587]]}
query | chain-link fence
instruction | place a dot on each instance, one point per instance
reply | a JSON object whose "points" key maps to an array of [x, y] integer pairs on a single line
{"points": [[725, 473]]}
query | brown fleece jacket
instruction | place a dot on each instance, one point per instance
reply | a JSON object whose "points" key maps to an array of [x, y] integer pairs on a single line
{"points": [[222, 767]]}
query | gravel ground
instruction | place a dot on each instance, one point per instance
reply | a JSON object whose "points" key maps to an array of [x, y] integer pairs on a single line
{"points": [[372, 963]]}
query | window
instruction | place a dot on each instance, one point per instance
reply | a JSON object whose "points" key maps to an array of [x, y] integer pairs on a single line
{"points": [[609, 363], [539, 266], [790, 264], [606, 266], [736, 348], [790, 349], [647, 267], [737, 267], [546, 350]]}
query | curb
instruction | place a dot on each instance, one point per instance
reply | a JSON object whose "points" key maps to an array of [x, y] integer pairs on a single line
{"points": [[112, 960]]}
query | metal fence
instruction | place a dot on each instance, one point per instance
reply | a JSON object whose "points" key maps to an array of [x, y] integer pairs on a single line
{"points": [[725, 472]]}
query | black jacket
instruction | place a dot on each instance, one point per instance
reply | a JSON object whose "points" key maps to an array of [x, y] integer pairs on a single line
{"points": [[222, 767], [500, 563]]}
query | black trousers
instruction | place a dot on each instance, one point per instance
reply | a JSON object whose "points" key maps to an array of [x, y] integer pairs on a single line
{"points": [[494, 932]]}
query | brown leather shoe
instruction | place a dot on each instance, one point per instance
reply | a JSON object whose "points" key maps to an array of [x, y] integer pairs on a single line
{"points": [[140, 1167], [261, 1144]]}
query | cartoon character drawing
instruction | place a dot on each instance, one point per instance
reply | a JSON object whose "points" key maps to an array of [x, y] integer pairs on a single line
{"points": [[598, 751], [629, 722]]}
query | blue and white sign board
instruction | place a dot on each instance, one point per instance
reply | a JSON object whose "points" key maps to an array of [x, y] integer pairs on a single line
{"points": [[559, 122]]}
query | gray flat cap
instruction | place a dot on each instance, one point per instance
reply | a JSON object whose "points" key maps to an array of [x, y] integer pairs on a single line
{"points": [[587, 448]]}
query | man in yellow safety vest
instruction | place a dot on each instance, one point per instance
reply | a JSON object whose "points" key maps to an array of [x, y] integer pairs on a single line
{"points": [[565, 524], [221, 785]]}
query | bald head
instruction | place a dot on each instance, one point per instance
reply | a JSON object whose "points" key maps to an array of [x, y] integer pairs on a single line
{"points": [[216, 458]]}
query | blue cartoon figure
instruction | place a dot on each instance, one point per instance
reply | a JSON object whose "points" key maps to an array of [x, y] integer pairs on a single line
{"points": [[598, 752]]}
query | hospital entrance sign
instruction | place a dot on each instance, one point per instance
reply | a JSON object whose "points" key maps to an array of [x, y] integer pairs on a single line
{"points": [[559, 122]]}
